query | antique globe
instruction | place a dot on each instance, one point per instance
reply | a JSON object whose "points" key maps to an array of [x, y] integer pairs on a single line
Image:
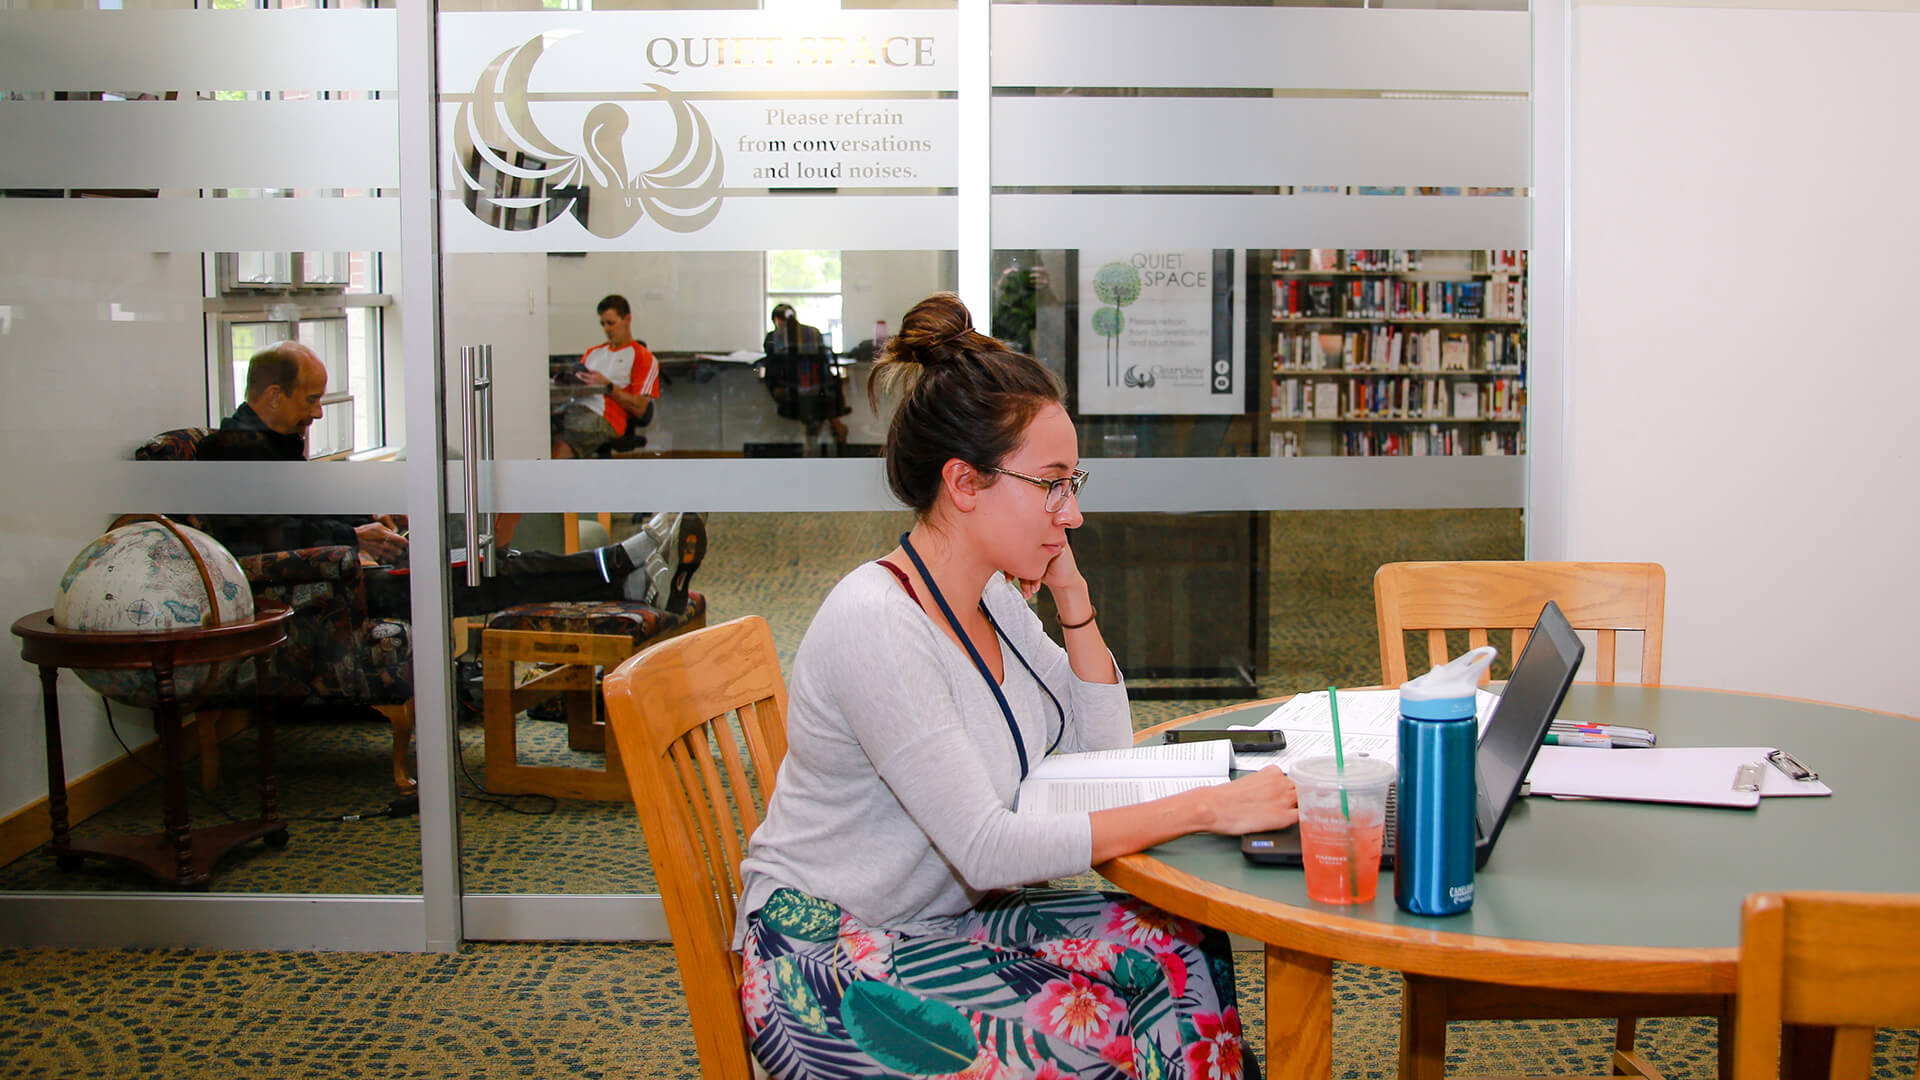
{"points": [[141, 577]]}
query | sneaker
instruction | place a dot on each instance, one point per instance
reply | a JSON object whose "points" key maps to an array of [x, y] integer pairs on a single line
{"points": [[666, 550], [691, 543]]}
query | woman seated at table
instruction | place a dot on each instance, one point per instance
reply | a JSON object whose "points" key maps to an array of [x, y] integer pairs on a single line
{"points": [[883, 927]]}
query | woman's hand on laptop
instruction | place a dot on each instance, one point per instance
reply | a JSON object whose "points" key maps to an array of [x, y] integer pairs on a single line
{"points": [[1260, 802]]}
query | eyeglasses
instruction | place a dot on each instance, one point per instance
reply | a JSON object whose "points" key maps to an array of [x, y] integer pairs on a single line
{"points": [[1057, 490]]}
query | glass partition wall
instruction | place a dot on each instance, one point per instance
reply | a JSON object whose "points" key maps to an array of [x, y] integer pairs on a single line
{"points": [[186, 187], [1292, 353]]}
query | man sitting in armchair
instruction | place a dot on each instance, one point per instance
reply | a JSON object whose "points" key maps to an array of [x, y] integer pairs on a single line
{"points": [[285, 383]]}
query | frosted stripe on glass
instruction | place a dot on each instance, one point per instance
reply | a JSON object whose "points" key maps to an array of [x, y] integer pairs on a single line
{"points": [[205, 50], [689, 51], [223, 144], [815, 485], [1225, 221], [201, 224], [745, 223], [1048, 142], [1105, 45], [235, 487]]}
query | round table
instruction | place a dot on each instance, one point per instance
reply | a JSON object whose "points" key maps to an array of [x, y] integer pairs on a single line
{"points": [[178, 855], [1622, 897]]}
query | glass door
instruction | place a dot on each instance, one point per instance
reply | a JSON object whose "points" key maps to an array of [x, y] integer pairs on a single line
{"points": [[627, 197]]}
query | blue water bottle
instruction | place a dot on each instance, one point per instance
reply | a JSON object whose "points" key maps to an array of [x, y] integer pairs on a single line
{"points": [[1434, 835]]}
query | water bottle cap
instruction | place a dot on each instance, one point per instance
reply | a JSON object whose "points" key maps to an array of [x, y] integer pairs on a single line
{"points": [[1447, 692]]}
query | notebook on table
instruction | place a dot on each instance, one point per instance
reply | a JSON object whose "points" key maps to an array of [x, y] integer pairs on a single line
{"points": [[1505, 753]]}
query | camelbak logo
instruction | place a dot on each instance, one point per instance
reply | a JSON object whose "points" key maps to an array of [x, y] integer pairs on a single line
{"points": [[1135, 378], [1460, 894], [536, 180]]}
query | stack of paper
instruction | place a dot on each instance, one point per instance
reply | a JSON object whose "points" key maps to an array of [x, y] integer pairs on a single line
{"points": [[1369, 724]]}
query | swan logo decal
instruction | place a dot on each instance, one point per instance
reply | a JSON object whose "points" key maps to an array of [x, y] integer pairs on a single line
{"points": [[534, 180], [1136, 378]]}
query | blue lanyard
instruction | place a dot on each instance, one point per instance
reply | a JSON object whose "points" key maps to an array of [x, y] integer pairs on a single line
{"points": [[980, 664]]}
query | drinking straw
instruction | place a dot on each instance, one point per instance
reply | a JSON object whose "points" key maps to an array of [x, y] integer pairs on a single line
{"points": [[1340, 768]]}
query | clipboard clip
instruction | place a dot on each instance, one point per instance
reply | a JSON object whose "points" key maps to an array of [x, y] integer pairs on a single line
{"points": [[1747, 777], [1786, 764]]}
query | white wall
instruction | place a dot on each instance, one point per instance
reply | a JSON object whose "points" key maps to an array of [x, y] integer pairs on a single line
{"points": [[97, 353], [681, 300], [500, 300], [1741, 379]]}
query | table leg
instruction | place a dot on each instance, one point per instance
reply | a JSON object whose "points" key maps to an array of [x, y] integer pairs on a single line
{"points": [[1423, 1029], [1299, 1015], [56, 761], [166, 717]]}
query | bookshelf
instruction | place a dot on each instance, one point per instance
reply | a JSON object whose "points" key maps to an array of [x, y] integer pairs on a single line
{"points": [[1397, 352]]}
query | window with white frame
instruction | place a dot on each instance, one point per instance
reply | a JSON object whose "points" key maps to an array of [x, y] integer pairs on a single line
{"points": [[330, 302], [810, 281]]}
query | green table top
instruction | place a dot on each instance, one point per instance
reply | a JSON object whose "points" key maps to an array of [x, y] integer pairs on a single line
{"points": [[1646, 874]]}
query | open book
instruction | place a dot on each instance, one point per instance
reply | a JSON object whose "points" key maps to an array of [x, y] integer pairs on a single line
{"points": [[1104, 779]]}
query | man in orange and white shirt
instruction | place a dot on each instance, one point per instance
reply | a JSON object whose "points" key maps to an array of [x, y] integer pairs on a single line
{"points": [[583, 424]]}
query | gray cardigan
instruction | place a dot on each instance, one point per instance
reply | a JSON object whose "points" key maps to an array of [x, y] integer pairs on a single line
{"points": [[894, 799]]}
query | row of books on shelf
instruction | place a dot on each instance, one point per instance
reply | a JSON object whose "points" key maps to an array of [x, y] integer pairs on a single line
{"points": [[1391, 298], [1397, 348], [1433, 441], [1403, 397], [1395, 260]]}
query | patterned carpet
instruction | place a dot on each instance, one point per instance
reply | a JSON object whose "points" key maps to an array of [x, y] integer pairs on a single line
{"points": [[614, 1010], [594, 1010]]}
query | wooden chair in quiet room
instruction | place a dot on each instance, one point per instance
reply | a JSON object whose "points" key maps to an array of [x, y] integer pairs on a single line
{"points": [[680, 712], [1436, 597], [1849, 962], [1481, 596]]}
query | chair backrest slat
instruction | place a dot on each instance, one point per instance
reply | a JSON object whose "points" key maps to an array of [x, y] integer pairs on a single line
{"points": [[723, 817], [1849, 961], [1436, 597], [736, 777], [1604, 666], [676, 710]]}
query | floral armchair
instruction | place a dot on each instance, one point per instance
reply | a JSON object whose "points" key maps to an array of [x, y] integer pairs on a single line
{"points": [[335, 651]]}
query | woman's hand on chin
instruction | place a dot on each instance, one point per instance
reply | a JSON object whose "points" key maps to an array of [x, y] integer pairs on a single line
{"points": [[1062, 574]]}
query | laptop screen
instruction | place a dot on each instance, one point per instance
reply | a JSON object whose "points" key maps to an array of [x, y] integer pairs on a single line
{"points": [[1538, 686]]}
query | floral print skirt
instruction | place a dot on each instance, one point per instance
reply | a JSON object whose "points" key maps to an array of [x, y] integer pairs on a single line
{"points": [[1038, 983]]}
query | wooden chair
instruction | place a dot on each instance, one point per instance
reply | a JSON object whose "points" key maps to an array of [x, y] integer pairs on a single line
{"points": [[680, 712], [1843, 961], [1481, 596], [1436, 597]]}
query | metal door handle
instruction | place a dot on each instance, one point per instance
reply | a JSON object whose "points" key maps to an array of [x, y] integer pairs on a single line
{"points": [[469, 463], [483, 395]]}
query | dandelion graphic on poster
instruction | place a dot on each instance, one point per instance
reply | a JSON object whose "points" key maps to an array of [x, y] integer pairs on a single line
{"points": [[1155, 333]]}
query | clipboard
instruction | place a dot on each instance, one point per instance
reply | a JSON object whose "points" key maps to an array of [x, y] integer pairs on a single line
{"points": [[1694, 775]]}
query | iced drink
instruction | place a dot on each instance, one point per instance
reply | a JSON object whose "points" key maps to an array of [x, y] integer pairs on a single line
{"points": [[1340, 839]]}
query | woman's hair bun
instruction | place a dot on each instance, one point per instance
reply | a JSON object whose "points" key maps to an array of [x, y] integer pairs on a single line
{"points": [[935, 329]]}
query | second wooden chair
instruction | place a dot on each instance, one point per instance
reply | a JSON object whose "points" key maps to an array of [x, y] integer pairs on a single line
{"points": [[1813, 962], [682, 712]]}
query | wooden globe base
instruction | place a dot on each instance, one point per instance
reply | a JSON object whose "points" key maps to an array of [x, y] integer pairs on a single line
{"points": [[178, 855]]}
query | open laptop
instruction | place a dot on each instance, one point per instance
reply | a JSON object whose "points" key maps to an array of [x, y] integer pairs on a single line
{"points": [[1514, 734]]}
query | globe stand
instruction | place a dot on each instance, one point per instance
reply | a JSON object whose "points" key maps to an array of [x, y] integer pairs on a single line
{"points": [[178, 855]]}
